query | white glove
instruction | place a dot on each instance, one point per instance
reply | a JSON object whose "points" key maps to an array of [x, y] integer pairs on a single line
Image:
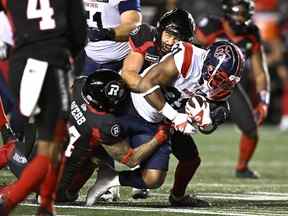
{"points": [[3, 50], [198, 110], [179, 120], [180, 123]]}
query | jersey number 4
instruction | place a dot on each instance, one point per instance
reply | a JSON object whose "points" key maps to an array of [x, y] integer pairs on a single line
{"points": [[44, 12]]}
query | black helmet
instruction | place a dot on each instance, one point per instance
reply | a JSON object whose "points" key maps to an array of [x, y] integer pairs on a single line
{"points": [[222, 69], [229, 8], [178, 22], [104, 90]]}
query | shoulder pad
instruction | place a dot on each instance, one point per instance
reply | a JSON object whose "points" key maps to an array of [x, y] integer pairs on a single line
{"points": [[141, 35]]}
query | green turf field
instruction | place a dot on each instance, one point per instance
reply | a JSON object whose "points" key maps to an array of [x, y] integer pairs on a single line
{"points": [[214, 181]]}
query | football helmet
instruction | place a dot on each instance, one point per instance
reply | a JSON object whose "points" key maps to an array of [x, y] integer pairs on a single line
{"points": [[238, 8], [177, 22], [221, 70], [104, 90]]}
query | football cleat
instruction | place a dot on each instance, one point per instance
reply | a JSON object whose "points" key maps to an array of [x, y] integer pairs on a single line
{"points": [[247, 173], [187, 201], [140, 193], [106, 179], [112, 195]]}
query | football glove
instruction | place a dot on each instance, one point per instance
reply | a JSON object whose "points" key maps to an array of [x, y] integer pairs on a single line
{"points": [[95, 34], [198, 110]]}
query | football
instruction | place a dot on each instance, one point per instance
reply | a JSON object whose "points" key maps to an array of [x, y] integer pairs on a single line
{"points": [[198, 110]]}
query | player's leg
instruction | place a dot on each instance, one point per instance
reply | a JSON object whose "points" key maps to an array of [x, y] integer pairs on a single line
{"points": [[185, 150], [44, 166], [242, 115], [151, 173]]}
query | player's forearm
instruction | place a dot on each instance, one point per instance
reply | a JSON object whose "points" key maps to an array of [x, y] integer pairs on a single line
{"points": [[143, 152], [150, 89], [132, 79], [122, 31]]}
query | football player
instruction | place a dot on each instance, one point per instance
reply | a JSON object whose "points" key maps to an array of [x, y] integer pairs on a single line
{"points": [[96, 131], [237, 26], [48, 34], [109, 23], [189, 70]]}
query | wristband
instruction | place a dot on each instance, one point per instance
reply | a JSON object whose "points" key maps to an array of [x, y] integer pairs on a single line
{"points": [[169, 112], [161, 136], [125, 159], [264, 96]]}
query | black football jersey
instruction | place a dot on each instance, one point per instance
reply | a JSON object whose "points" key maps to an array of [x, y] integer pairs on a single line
{"points": [[92, 127], [143, 40], [211, 29], [46, 29]]}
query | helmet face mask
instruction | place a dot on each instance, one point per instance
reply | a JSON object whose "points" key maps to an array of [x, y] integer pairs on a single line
{"points": [[221, 70], [104, 90], [178, 23]]}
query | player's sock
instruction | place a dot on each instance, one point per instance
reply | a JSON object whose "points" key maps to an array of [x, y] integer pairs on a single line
{"points": [[5, 153], [30, 180], [3, 117], [132, 179], [48, 188], [247, 148], [184, 172]]}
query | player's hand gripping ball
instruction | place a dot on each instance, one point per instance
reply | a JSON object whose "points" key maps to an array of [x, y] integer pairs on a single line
{"points": [[198, 110]]}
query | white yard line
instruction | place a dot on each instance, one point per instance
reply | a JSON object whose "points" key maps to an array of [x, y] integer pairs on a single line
{"points": [[168, 210], [253, 196]]}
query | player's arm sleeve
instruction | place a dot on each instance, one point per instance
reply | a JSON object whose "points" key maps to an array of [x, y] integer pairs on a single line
{"points": [[77, 26], [256, 39], [129, 5], [141, 38]]}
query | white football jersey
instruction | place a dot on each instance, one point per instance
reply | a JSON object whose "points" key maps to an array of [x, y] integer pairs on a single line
{"points": [[104, 13], [6, 34], [189, 60]]}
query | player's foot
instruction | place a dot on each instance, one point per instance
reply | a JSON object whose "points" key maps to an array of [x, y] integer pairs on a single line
{"points": [[109, 178], [247, 173], [44, 212], [140, 193], [112, 195], [3, 209], [189, 200], [283, 126]]}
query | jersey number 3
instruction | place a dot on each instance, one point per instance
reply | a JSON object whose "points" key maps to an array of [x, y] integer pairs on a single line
{"points": [[44, 12]]}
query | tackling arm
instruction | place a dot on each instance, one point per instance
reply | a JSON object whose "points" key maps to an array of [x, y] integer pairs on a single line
{"points": [[123, 153], [130, 71], [129, 20]]}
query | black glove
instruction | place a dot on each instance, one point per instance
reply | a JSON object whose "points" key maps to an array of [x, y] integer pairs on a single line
{"points": [[95, 34]]}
